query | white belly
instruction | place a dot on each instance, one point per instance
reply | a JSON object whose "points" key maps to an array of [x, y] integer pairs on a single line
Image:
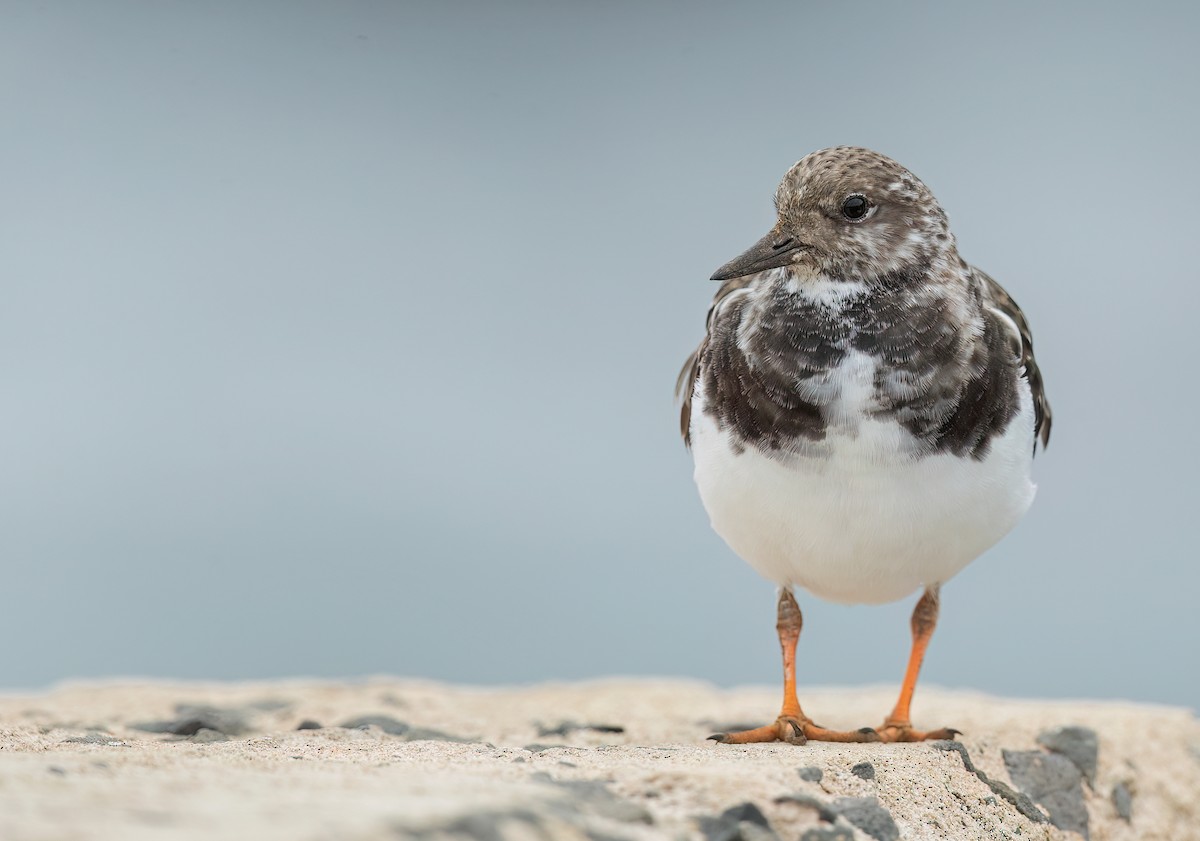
{"points": [[863, 519]]}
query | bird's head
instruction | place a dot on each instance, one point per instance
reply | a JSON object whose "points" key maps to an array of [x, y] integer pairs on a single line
{"points": [[848, 213]]}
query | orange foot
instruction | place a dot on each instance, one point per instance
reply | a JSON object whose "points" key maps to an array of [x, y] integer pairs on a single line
{"points": [[796, 730], [894, 730]]}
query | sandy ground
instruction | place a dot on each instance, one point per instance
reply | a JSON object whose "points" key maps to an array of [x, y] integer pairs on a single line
{"points": [[82, 761]]}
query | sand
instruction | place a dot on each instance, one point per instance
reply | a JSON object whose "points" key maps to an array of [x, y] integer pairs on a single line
{"points": [[75, 765]]}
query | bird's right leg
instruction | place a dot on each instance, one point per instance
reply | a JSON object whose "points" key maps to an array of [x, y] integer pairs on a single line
{"points": [[897, 727], [792, 725]]}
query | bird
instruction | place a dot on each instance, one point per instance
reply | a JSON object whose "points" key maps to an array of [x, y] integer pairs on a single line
{"points": [[863, 410]]}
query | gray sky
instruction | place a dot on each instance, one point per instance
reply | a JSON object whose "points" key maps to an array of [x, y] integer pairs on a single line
{"points": [[339, 338]]}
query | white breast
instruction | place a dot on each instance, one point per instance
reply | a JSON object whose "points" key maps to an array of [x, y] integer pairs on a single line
{"points": [[863, 517]]}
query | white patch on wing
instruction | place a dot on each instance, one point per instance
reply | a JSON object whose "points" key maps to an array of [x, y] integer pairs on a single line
{"points": [[1012, 327], [735, 295]]}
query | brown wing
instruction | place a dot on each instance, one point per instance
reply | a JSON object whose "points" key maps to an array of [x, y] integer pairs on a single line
{"points": [[686, 382], [1004, 302]]}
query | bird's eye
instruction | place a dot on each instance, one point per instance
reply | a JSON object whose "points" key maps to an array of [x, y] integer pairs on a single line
{"points": [[855, 208]]}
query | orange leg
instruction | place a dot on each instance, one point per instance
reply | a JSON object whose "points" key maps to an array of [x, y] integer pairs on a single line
{"points": [[897, 727], [792, 726]]}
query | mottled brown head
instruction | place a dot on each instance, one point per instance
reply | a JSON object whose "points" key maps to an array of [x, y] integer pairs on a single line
{"points": [[851, 214]]}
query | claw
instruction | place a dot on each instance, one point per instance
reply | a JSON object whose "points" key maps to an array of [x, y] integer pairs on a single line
{"points": [[794, 731], [902, 731], [943, 733], [796, 737]]}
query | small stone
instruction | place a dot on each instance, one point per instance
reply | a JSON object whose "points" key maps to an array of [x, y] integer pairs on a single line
{"points": [[811, 773], [395, 727], [824, 812], [743, 822], [827, 833], [309, 724], [389, 725], [1053, 781], [207, 735], [1122, 799], [868, 814], [1081, 745], [565, 727], [493, 826], [595, 797], [864, 770], [538, 747], [96, 739], [57, 770], [192, 718], [1020, 801], [746, 812]]}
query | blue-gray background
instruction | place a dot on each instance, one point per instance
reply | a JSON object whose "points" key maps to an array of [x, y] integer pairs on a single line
{"points": [[339, 338]]}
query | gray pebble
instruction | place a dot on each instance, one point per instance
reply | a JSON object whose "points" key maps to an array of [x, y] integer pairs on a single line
{"points": [[1081, 745], [824, 812], [827, 833], [389, 725], [565, 727], [746, 812], [811, 773], [1122, 799], [1053, 781], [743, 822], [97, 739], [496, 826], [538, 747], [594, 797], [864, 770], [753, 832], [868, 814], [309, 724], [192, 718], [395, 727], [1020, 801]]}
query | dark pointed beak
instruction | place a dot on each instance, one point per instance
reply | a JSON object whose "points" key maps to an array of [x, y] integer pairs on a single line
{"points": [[772, 251]]}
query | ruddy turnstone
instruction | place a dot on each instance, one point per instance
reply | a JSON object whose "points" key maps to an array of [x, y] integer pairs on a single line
{"points": [[863, 410]]}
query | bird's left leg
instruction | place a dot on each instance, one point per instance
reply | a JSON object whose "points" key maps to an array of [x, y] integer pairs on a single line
{"points": [[897, 727], [792, 725]]}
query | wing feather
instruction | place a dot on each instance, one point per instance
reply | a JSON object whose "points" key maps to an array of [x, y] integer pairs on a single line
{"points": [[685, 384], [1007, 307]]}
